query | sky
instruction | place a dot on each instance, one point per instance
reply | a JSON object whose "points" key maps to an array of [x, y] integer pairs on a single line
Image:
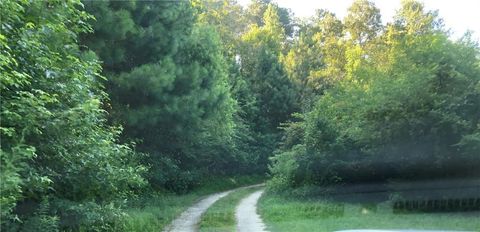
{"points": [[458, 15]]}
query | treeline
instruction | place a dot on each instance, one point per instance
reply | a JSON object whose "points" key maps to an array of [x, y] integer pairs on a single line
{"points": [[197, 86], [381, 102], [102, 101]]}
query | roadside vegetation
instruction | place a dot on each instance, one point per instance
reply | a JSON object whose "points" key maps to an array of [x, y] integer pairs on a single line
{"points": [[283, 213]]}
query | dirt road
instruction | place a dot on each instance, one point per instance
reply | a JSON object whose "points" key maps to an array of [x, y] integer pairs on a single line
{"points": [[246, 214], [188, 220]]}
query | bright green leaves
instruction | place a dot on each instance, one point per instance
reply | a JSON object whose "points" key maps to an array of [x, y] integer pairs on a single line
{"points": [[363, 22], [256, 14], [412, 18], [272, 22]]}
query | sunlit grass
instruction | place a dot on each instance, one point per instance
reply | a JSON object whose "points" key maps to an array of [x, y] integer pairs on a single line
{"points": [[158, 212], [288, 214]]}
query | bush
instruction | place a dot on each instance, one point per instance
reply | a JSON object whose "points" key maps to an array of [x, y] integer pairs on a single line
{"points": [[285, 169], [54, 139], [90, 216], [42, 220]]}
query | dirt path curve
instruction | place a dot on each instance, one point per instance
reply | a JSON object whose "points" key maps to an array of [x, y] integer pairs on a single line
{"points": [[248, 219], [188, 221]]}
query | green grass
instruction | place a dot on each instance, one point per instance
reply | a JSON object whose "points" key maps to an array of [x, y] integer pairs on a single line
{"points": [[158, 212], [288, 214], [220, 217], [154, 211]]}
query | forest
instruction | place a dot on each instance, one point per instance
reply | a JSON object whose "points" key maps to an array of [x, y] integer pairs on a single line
{"points": [[109, 105]]}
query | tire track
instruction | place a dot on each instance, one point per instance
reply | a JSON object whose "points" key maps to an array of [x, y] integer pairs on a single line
{"points": [[246, 214], [189, 220]]}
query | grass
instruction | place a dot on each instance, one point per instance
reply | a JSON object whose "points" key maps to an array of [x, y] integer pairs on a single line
{"points": [[289, 214], [220, 217], [158, 211], [154, 211]]}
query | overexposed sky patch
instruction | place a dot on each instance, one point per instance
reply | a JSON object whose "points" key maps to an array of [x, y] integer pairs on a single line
{"points": [[458, 15]]}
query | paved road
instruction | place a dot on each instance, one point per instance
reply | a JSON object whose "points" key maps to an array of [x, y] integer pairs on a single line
{"points": [[188, 221], [248, 219]]}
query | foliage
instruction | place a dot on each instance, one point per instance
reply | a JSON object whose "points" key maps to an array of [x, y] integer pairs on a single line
{"points": [[169, 89], [258, 8], [210, 88], [363, 21], [91, 216], [55, 143], [253, 40], [261, 67], [315, 60], [406, 107], [260, 51]]}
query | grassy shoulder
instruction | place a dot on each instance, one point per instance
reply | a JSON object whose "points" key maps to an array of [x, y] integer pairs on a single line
{"points": [[220, 216], [154, 211], [289, 214]]}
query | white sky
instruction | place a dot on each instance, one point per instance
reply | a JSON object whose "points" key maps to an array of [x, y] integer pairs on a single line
{"points": [[458, 15]]}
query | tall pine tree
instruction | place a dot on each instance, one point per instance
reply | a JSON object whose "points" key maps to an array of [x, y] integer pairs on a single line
{"points": [[170, 90]]}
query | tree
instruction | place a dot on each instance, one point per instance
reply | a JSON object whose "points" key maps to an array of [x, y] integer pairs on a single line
{"points": [[363, 21], [412, 19], [316, 58], [229, 20], [171, 91], [255, 14], [55, 145], [261, 66], [274, 94]]}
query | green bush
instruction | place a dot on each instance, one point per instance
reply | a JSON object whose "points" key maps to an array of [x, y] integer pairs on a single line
{"points": [[90, 216], [55, 143]]}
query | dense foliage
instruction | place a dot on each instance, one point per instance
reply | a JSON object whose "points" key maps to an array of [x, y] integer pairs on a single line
{"points": [[406, 107], [187, 99], [58, 156], [169, 87], [105, 100], [255, 39]]}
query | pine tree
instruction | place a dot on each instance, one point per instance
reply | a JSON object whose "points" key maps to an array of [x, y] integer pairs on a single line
{"points": [[171, 91]]}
